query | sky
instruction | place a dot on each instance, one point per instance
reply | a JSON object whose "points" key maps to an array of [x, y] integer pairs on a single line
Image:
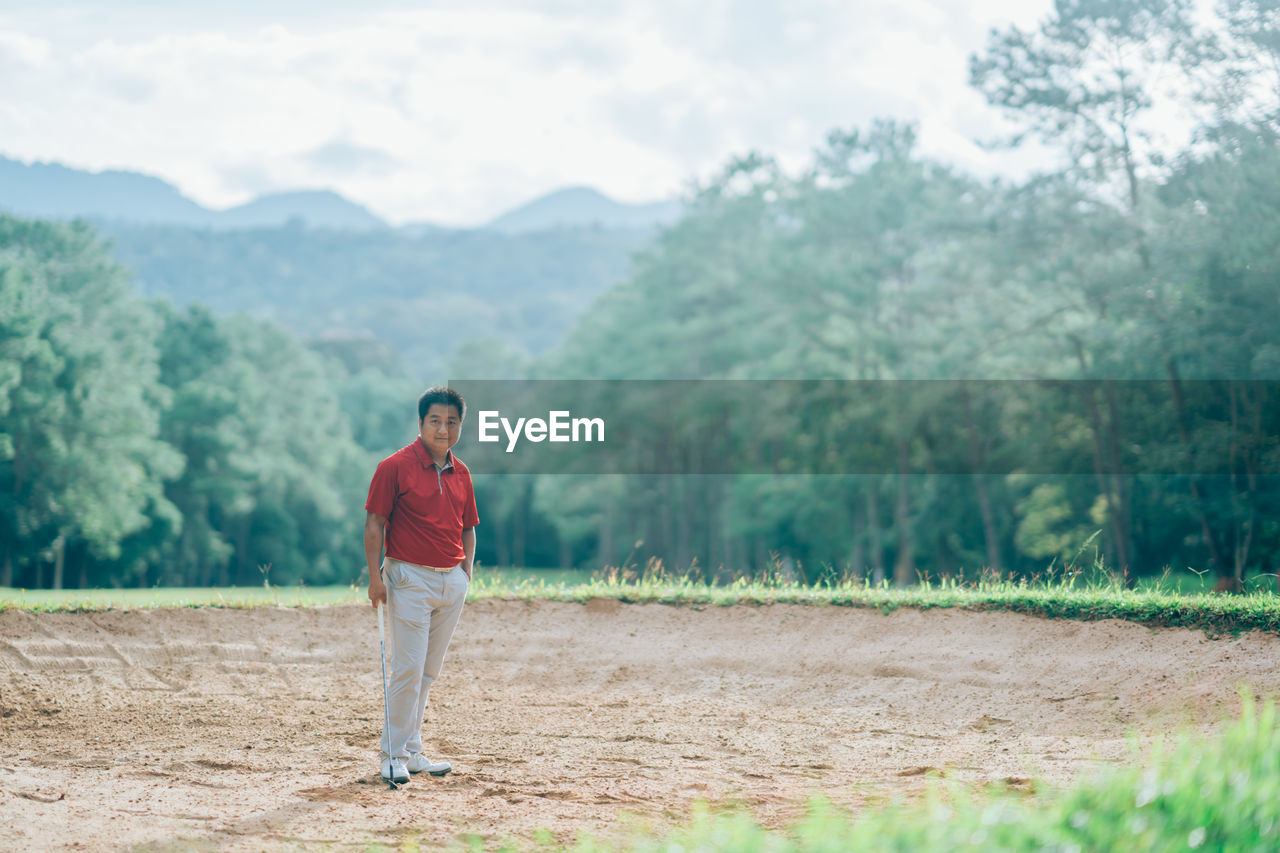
{"points": [[453, 113]]}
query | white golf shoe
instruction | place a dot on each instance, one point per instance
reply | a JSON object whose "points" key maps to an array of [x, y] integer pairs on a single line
{"points": [[419, 763], [394, 770]]}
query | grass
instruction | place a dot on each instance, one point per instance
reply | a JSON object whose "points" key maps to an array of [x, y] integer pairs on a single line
{"points": [[1156, 602], [1159, 601], [1184, 792], [505, 579], [227, 596]]}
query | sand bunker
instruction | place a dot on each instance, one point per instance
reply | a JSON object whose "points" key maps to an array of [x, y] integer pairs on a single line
{"points": [[257, 729]]}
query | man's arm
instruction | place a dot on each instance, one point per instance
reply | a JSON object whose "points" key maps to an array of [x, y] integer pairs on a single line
{"points": [[375, 532], [468, 548]]}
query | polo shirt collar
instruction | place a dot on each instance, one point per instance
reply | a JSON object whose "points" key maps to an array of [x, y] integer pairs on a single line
{"points": [[425, 457]]}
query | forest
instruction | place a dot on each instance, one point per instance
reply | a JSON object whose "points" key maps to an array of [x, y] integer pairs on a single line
{"points": [[145, 444], [524, 290]]}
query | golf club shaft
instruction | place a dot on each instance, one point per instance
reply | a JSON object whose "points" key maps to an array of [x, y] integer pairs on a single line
{"points": [[386, 705]]}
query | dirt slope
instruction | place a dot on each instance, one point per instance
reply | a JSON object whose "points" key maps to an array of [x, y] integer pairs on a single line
{"points": [[257, 729]]}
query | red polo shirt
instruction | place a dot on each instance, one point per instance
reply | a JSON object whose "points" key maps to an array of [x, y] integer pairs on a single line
{"points": [[426, 507]]}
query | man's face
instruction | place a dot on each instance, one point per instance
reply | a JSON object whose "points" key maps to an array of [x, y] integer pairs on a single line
{"points": [[441, 427]]}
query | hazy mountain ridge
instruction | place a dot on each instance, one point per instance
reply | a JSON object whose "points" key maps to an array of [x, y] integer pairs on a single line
{"points": [[318, 208], [576, 206], [326, 268], [54, 191]]}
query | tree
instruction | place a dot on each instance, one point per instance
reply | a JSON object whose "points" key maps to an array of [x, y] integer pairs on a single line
{"points": [[274, 477], [1245, 90], [1086, 78], [81, 466]]}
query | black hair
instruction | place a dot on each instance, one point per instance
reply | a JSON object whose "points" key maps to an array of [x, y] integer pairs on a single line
{"points": [[445, 396]]}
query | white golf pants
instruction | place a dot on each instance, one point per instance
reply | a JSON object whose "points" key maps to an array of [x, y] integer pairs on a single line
{"points": [[423, 606]]}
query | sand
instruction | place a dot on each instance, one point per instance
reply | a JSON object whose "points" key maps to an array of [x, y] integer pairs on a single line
{"points": [[257, 729]]}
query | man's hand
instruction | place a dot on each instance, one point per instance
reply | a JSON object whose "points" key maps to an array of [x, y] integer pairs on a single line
{"points": [[469, 550], [377, 592]]}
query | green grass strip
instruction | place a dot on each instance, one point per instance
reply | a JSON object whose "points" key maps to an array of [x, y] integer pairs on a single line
{"points": [[1213, 613]]}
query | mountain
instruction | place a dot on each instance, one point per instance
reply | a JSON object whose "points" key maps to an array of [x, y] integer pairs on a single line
{"points": [[423, 294], [584, 207], [55, 191], [318, 208]]}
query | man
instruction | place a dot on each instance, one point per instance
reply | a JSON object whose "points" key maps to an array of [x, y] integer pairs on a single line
{"points": [[422, 509]]}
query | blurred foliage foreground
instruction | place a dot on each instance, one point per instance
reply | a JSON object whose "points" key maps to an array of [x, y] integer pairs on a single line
{"points": [[1184, 792]]}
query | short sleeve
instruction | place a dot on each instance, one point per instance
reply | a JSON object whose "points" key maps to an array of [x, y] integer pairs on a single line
{"points": [[383, 489], [470, 518]]}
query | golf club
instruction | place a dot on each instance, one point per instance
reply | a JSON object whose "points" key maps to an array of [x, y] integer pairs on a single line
{"points": [[386, 706]]}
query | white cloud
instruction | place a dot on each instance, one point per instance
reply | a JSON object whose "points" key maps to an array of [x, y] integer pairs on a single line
{"points": [[20, 50], [455, 113]]}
